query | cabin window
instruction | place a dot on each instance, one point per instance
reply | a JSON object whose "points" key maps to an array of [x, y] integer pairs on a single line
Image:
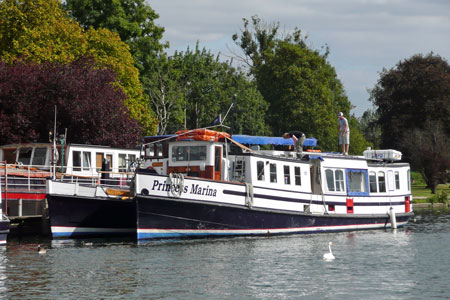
{"points": [[159, 150], [25, 155], [397, 180], [40, 154], [217, 158], [287, 175], [335, 180], [391, 180], [339, 174], [298, 177], [381, 182], [188, 153], [86, 161], [122, 162], [260, 170], [373, 182], [273, 173], [150, 150], [76, 160], [329, 174], [356, 182]]}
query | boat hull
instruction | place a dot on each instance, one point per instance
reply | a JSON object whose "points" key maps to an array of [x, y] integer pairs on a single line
{"points": [[175, 218], [4, 230], [86, 217]]}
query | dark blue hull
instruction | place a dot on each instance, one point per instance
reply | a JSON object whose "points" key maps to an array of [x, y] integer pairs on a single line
{"points": [[172, 218], [84, 217], [4, 230]]}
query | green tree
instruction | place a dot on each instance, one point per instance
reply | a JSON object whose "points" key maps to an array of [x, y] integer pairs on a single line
{"points": [[301, 86], [41, 31], [208, 87], [413, 99], [133, 20], [368, 125]]}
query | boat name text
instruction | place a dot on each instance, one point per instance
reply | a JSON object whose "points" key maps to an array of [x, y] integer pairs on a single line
{"points": [[194, 188]]}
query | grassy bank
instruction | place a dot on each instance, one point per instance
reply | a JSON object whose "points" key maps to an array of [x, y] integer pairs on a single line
{"points": [[422, 194]]}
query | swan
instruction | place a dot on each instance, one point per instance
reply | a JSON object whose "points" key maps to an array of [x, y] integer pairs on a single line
{"points": [[41, 250], [329, 255]]}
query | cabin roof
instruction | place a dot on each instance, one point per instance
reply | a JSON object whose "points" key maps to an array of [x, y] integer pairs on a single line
{"points": [[270, 140]]}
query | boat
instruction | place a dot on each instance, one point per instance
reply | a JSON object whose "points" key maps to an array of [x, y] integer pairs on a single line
{"points": [[214, 185], [87, 183], [25, 168], [81, 210]]}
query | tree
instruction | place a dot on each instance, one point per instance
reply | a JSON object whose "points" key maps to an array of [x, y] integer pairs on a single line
{"points": [[133, 20], [429, 148], [210, 87], [301, 86], [413, 98], [368, 125], [40, 31], [88, 104]]}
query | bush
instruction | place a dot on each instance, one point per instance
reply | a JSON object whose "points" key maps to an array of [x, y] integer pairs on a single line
{"points": [[439, 197], [417, 179]]}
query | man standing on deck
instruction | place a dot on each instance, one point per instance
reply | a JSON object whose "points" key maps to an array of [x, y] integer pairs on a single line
{"points": [[344, 133], [299, 138]]}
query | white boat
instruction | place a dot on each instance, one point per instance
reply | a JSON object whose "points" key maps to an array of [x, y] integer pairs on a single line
{"points": [[204, 183], [25, 168], [89, 193]]}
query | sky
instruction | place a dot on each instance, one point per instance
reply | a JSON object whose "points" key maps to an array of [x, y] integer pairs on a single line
{"points": [[364, 36]]}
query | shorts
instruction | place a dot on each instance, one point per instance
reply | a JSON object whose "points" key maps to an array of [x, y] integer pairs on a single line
{"points": [[344, 139]]}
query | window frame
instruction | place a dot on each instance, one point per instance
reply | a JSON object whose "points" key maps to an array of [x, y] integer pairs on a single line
{"points": [[380, 190], [287, 175], [273, 173], [298, 176], [339, 184], [365, 181], [260, 176]]}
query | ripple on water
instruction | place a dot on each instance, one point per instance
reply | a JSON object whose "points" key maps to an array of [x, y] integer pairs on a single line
{"points": [[409, 263]]}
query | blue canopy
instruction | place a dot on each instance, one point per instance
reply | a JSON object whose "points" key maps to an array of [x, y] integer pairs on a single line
{"points": [[269, 140]]}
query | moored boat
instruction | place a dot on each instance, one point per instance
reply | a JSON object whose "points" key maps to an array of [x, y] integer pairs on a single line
{"points": [[85, 211], [25, 167], [202, 186]]}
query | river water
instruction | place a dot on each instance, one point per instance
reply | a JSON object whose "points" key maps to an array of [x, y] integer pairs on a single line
{"points": [[411, 263]]}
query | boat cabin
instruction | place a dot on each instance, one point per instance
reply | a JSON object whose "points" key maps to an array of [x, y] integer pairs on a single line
{"points": [[72, 159]]}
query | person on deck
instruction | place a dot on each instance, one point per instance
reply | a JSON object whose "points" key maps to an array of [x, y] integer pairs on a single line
{"points": [[344, 133], [299, 138]]}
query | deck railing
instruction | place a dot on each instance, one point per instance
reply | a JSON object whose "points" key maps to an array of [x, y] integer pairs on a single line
{"points": [[25, 185]]}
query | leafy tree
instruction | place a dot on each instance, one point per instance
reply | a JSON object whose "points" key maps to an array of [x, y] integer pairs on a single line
{"points": [[88, 104], [133, 20], [414, 98], [210, 86], [430, 152], [368, 125], [166, 96], [40, 31], [301, 86]]}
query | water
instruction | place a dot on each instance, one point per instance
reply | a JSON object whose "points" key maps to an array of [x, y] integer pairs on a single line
{"points": [[412, 263]]}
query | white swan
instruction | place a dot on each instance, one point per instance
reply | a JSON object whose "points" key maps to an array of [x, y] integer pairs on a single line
{"points": [[41, 250], [329, 255]]}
